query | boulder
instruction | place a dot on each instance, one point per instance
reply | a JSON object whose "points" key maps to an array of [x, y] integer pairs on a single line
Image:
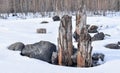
{"points": [[96, 58], [76, 36], [118, 42], [87, 26], [41, 50], [44, 22], [54, 59], [74, 57], [18, 46], [93, 29], [56, 18], [112, 46], [98, 36], [14, 14]]}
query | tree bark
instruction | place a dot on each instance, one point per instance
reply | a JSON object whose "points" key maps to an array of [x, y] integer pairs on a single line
{"points": [[65, 41], [84, 58]]}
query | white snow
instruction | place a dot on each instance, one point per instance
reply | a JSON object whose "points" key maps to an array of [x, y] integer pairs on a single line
{"points": [[24, 30]]}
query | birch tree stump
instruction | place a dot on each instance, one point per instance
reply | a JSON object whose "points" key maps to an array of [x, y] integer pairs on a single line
{"points": [[84, 58], [65, 41]]}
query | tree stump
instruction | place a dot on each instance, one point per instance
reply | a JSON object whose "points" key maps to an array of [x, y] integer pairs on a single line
{"points": [[84, 58], [65, 41]]}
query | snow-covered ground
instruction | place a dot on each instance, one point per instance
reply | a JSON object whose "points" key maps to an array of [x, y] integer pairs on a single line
{"points": [[24, 30]]}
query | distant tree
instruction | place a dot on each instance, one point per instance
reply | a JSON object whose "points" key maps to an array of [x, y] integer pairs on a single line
{"points": [[118, 5], [14, 6], [57, 6]]}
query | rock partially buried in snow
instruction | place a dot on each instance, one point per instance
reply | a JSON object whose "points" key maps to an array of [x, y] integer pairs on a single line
{"points": [[87, 26], [113, 46], [96, 57], [56, 18], [74, 57], [41, 50], [76, 36], [93, 29], [54, 59], [98, 36], [118, 42], [18, 46], [44, 22]]}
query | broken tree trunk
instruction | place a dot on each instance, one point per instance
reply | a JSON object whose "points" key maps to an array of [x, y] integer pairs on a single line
{"points": [[65, 41], [84, 58], [77, 32]]}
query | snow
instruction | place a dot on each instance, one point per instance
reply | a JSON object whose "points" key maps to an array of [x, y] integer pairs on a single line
{"points": [[24, 30]]}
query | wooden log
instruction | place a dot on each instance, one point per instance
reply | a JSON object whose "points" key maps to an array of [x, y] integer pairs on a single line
{"points": [[65, 41], [41, 30]]}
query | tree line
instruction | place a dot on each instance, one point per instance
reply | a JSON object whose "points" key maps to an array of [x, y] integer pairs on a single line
{"points": [[25, 6]]}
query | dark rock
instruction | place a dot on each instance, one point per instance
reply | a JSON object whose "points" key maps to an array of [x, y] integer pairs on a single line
{"points": [[15, 14], [74, 57], [18, 46], [44, 22], [74, 50], [98, 36], [112, 46], [96, 57], [42, 50], [56, 18], [87, 26], [118, 42], [54, 59], [93, 29], [76, 36]]}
